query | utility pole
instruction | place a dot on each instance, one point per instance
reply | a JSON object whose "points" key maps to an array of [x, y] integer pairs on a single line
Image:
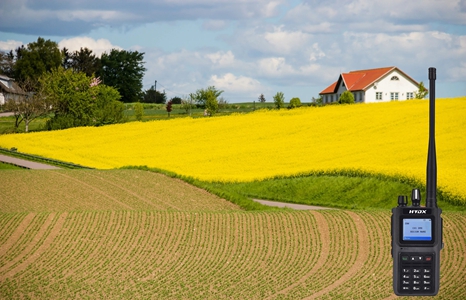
{"points": [[155, 86]]}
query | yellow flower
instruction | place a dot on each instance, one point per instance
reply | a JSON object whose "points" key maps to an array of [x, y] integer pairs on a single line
{"points": [[389, 138]]}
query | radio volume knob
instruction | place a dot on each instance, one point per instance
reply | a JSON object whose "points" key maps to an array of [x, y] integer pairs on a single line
{"points": [[402, 201]]}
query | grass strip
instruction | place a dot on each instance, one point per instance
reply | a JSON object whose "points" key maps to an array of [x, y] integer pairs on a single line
{"points": [[346, 189], [36, 158]]}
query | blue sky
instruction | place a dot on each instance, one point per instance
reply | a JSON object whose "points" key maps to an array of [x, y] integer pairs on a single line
{"points": [[251, 47]]}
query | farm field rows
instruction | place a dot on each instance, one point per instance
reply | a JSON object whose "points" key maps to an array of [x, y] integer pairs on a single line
{"points": [[383, 138], [210, 255], [84, 190]]}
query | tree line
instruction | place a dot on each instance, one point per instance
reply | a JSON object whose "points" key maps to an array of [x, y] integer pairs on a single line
{"points": [[74, 88], [120, 69], [79, 88]]}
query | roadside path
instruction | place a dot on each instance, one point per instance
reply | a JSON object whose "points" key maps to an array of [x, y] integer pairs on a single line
{"points": [[26, 163], [290, 205]]}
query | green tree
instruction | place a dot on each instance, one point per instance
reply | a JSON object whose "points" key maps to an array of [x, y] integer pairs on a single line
{"points": [[76, 101], [124, 71], [346, 98], [82, 61], [211, 103], [201, 95], [108, 109], [153, 96], [138, 110], [261, 98], [422, 91], [279, 100], [28, 106], [176, 100], [36, 59], [7, 63], [294, 102], [187, 104]]}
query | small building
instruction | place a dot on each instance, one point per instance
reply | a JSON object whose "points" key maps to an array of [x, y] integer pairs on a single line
{"points": [[373, 85], [9, 89]]}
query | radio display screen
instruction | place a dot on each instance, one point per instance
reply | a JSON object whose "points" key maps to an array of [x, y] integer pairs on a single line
{"points": [[417, 229]]}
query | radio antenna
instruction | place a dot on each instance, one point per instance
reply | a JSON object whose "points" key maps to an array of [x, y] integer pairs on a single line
{"points": [[431, 199]]}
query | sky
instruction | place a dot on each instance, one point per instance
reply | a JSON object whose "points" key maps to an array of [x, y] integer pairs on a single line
{"points": [[247, 48]]}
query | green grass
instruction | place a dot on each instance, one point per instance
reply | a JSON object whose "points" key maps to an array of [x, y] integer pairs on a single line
{"points": [[7, 125], [151, 112], [330, 191], [159, 112], [4, 166], [354, 191]]}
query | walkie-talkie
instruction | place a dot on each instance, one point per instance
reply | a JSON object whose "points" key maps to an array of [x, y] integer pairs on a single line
{"points": [[417, 231]]}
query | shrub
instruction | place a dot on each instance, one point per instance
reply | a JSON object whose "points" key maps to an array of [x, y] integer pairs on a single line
{"points": [[176, 100], [294, 102], [346, 98], [138, 111]]}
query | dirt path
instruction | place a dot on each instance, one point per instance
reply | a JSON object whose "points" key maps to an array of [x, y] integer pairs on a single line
{"points": [[26, 163], [290, 205]]}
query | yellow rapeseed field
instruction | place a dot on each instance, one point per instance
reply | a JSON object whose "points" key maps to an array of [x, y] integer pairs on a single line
{"points": [[389, 138]]}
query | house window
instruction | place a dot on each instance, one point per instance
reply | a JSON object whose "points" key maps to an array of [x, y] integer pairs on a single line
{"points": [[378, 95], [394, 96], [395, 78], [410, 95]]}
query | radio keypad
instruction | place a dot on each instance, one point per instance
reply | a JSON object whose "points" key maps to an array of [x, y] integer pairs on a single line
{"points": [[416, 272]]}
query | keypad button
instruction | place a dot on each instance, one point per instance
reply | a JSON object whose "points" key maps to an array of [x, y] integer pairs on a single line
{"points": [[416, 288], [426, 270], [415, 270], [405, 270], [426, 276], [407, 276], [426, 282], [426, 288], [416, 276]]}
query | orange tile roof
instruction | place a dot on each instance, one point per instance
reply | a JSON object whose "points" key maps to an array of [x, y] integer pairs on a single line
{"points": [[361, 79]]}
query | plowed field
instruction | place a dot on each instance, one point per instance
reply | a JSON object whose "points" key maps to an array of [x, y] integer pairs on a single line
{"points": [[202, 253]]}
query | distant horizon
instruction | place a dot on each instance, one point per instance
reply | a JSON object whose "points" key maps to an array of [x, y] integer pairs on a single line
{"points": [[255, 47]]}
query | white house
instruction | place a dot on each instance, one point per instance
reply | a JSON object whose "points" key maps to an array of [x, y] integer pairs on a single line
{"points": [[9, 89], [374, 85]]}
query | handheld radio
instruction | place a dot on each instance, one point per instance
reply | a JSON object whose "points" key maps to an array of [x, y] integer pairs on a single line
{"points": [[417, 231]]}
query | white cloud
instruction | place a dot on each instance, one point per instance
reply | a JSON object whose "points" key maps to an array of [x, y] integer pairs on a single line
{"points": [[280, 44], [9, 45], [60, 18], [286, 42], [375, 15], [275, 67], [412, 52], [237, 85], [221, 59], [97, 46]]}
